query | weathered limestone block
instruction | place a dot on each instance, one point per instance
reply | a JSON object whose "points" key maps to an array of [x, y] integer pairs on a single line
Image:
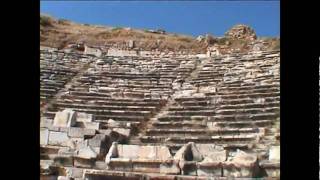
{"points": [[128, 151], [138, 158], [122, 131], [58, 138], [77, 132], [74, 172], [65, 118], [44, 136], [147, 167], [91, 125], [242, 165], [272, 169], [84, 117], [46, 123], [92, 51], [170, 168], [113, 123], [274, 153], [213, 158], [87, 153], [214, 169], [212, 152], [100, 165], [121, 164], [97, 141]]}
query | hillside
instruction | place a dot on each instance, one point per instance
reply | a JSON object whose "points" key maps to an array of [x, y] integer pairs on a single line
{"points": [[59, 33]]}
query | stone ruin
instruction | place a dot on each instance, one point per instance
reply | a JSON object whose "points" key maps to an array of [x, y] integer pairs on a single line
{"points": [[133, 117], [241, 32]]}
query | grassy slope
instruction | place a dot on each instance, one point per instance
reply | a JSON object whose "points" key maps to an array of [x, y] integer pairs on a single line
{"points": [[59, 33]]}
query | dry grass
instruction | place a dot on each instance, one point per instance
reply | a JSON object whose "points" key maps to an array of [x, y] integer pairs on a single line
{"points": [[58, 33]]}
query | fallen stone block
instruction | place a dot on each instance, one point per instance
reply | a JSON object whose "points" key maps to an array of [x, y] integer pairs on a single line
{"points": [[74, 172], [97, 141], [122, 131], [76, 132], [242, 165], [86, 153], [65, 118], [58, 138], [84, 117]]}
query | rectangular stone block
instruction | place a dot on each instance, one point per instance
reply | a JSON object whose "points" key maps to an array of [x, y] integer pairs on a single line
{"points": [[146, 167], [84, 117], [128, 151], [44, 136], [74, 172], [101, 165], [46, 123], [58, 138], [169, 169], [97, 140], [83, 163], [123, 131], [76, 132], [234, 172], [65, 118], [209, 171], [120, 164], [91, 125]]}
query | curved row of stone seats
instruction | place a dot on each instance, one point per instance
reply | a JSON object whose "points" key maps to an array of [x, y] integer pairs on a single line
{"points": [[192, 160], [227, 112], [125, 90], [56, 69]]}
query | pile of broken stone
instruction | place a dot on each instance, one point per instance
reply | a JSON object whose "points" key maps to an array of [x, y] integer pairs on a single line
{"points": [[241, 32], [73, 145]]}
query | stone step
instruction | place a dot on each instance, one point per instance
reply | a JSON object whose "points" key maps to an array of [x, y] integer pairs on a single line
{"points": [[197, 139]]}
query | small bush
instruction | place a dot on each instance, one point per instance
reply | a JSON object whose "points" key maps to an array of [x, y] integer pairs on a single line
{"points": [[45, 21], [63, 21]]}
